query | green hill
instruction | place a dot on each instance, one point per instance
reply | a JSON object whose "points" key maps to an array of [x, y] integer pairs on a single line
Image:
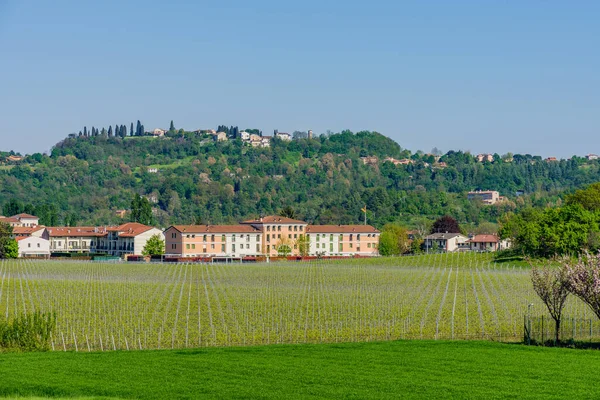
{"points": [[85, 179]]}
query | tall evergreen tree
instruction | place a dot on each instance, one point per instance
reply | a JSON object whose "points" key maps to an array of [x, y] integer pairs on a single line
{"points": [[110, 132], [85, 133], [131, 130], [138, 129], [172, 127]]}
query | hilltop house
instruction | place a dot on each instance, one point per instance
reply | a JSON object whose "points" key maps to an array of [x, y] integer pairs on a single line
{"points": [[283, 136], [158, 132], [484, 157], [21, 220], [488, 197]]}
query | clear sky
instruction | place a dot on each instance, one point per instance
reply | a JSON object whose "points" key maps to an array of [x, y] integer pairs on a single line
{"points": [[481, 75]]}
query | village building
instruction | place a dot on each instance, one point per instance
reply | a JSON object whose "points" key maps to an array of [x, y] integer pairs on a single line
{"points": [[445, 242], [158, 132], [81, 239], [27, 231], [488, 197], [484, 157], [126, 239], [33, 246], [283, 136], [267, 236]]}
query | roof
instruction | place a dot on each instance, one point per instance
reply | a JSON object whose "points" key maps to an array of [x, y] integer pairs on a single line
{"points": [[437, 236], [274, 219], [8, 220], [23, 215], [75, 231], [23, 230], [341, 229], [215, 228], [130, 229], [484, 239], [19, 238]]}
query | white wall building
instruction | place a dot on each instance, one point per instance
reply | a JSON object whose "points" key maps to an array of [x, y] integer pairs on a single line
{"points": [[33, 246]]}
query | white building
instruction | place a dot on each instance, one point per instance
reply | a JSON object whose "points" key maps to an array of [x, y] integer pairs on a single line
{"points": [[33, 246], [283, 136], [446, 242], [127, 239]]}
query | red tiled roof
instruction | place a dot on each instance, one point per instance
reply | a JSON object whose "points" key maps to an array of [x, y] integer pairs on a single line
{"points": [[484, 239], [341, 229], [75, 231], [215, 228], [23, 230], [274, 219], [23, 215], [8, 220], [130, 229]]}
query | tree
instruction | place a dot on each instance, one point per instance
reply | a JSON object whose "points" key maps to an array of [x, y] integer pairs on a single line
{"points": [[155, 246], [131, 130], [110, 132], [287, 212], [9, 247], [445, 224], [283, 247], [588, 198], [583, 279], [141, 210], [303, 245], [552, 286], [388, 245], [172, 127]]}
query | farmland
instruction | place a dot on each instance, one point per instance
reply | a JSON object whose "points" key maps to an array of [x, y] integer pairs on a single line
{"points": [[102, 306]]}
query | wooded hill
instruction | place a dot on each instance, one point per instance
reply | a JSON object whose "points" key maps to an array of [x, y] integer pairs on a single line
{"points": [[86, 178]]}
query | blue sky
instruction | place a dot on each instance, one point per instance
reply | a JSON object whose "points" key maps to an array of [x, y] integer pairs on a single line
{"points": [[484, 76]]}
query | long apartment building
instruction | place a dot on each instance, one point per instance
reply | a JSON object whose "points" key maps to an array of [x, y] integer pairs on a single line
{"points": [[266, 236]]}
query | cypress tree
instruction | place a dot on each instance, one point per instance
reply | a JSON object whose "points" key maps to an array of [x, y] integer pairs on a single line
{"points": [[110, 132], [131, 130], [85, 131], [138, 128], [172, 127]]}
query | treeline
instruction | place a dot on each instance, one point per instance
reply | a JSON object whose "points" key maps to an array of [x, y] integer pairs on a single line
{"points": [[324, 179], [119, 131]]}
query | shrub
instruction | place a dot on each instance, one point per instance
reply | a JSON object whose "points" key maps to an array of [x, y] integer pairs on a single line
{"points": [[27, 332]]}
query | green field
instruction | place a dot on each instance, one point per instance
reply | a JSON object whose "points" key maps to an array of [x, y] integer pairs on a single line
{"points": [[402, 369], [103, 306]]}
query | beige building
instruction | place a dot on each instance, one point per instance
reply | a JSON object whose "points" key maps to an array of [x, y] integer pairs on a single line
{"points": [[21, 220], [81, 239], [267, 236], [126, 239], [446, 242], [488, 197]]}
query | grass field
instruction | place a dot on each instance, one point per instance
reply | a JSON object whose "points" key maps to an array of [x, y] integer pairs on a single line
{"points": [[401, 369]]}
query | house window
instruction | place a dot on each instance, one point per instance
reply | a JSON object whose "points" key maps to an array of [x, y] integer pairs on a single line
{"points": [[295, 228], [341, 237], [279, 228], [268, 228], [247, 246], [351, 235], [28, 244], [204, 238], [187, 246], [268, 248], [301, 227], [257, 248], [222, 248], [38, 245], [289, 236], [233, 248], [222, 238], [279, 236], [247, 238], [257, 238], [173, 246], [173, 235], [340, 248], [188, 236], [233, 238], [331, 237], [204, 249], [193, 246], [194, 236], [358, 249], [331, 247], [295, 235], [350, 245], [358, 237], [369, 245], [212, 238], [290, 228]]}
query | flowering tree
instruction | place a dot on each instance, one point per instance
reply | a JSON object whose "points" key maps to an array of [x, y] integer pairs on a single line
{"points": [[552, 285], [584, 280]]}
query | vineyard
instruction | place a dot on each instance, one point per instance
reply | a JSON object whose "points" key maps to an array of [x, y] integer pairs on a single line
{"points": [[103, 306]]}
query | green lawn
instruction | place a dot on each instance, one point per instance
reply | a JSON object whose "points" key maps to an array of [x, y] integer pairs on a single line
{"points": [[402, 369]]}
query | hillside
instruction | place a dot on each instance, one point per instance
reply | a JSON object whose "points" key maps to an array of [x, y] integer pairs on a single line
{"points": [[189, 177]]}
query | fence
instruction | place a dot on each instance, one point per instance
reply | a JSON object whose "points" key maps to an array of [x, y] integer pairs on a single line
{"points": [[542, 330]]}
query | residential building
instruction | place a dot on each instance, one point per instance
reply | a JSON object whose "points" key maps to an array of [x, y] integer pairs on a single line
{"points": [[33, 246], [220, 137], [227, 241], [283, 136], [158, 132], [551, 159], [488, 197], [244, 135], [27, 231], [445, 242], [19, 220], [277, 231], [370, 160], [484, 243], [591, 157], [152, 170], [265, 236], [266, 141], [14, 158], [81, 239], [484, 157], [343, 240], [121, 213], [126, 239]]}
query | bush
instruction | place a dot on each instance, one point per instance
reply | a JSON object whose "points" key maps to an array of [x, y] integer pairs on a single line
{"points": [[27, 332]]}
